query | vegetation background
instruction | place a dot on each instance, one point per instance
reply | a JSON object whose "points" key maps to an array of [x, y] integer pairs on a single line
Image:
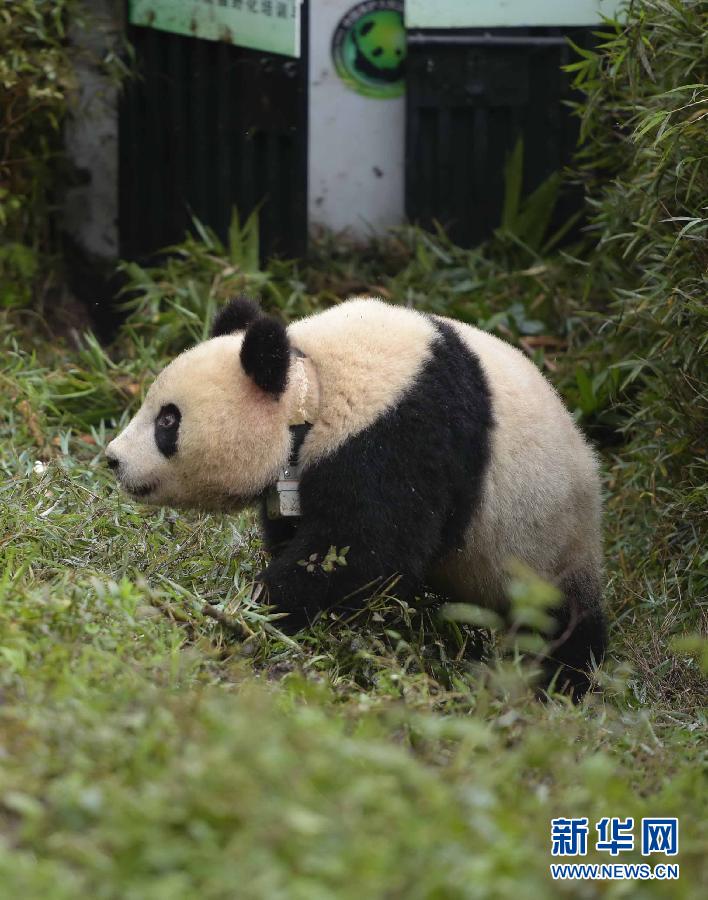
{"points": [[159, 738]]}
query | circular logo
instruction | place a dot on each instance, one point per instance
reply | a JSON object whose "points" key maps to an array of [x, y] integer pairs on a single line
{"points": [[369, 48]]}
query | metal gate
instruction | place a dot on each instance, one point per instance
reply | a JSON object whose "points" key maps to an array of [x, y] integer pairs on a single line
{"points": [[471, 95], [206, 126]]}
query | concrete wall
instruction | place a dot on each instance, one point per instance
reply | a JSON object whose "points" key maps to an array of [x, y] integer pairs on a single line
{"points": [[356, 143], [90, 215]]}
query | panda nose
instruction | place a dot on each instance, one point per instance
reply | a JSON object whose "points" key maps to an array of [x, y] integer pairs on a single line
{"points": [[112, 461]]}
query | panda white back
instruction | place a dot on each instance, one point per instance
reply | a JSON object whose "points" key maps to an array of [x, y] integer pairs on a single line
{"points": [[541, 503]]}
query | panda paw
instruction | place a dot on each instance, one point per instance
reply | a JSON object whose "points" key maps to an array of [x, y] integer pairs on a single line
{"points": [[292, 622], [295, 619]]}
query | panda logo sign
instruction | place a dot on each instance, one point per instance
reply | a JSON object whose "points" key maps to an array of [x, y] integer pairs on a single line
{"points": [[369, 48]]}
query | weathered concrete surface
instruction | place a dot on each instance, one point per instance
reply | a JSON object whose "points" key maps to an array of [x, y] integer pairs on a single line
{"points": [[90, 214]]}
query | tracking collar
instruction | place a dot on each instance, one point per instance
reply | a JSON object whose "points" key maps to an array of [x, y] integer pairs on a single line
{"points": [[283, 498]]}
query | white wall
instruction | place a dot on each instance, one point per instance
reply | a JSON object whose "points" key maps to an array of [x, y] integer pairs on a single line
{"points": [[356, 143]]}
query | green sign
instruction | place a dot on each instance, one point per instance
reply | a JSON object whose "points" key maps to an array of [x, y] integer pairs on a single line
{"points": [[270, 25], [507, 13], [369, 48]]}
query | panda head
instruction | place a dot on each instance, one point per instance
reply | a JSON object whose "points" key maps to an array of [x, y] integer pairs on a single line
{"points": [[213, 430]]}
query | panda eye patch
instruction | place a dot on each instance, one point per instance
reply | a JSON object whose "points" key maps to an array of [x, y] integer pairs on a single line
{"points": [[167, 420], [166, 428]]}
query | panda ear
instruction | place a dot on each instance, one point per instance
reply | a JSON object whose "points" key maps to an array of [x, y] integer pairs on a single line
{"points": [[265, 355], [237, 315]]}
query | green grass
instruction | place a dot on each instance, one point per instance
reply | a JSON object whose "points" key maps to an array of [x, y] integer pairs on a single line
{"points": [[148, 750]]}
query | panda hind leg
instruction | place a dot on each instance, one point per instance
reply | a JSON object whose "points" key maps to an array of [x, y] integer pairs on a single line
{"points": [[580, 635]]}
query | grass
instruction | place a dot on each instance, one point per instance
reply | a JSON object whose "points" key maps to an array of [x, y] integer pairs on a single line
{"points": [[151, 750]]}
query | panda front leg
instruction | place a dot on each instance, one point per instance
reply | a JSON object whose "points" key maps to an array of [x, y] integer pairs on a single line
{"points": [[359, 498], [315, 572]]}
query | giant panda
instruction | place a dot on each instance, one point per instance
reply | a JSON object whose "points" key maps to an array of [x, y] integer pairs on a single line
{"points": [[433, 450]]}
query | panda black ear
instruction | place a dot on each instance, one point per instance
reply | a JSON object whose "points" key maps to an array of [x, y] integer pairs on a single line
{"points": [[265, 355], [237, 315]]}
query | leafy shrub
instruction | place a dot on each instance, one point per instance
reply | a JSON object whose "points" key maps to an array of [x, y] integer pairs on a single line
{"points": [[172, 302], [645, 167], [36, 79]]}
